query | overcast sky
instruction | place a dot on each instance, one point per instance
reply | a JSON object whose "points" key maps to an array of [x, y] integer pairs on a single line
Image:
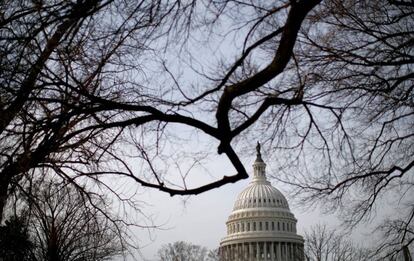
{"points": [[201, 219]]}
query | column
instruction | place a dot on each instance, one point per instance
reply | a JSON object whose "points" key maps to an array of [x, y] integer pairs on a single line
{"points": [[250, 251], [288, 251], [265, 250], [289, 257], [272, 249], [279, 254], [257, 251], [241, 252], [235, 251]]}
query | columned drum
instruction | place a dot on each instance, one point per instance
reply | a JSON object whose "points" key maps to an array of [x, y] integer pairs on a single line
{"points": [[261, 226]]}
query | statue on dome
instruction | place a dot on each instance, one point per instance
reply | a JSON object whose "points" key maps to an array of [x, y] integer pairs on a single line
{"points": [[258, 149]]}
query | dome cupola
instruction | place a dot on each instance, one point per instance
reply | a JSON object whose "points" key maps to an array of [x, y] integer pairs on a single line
{"points": [[259, 167], [260, 193]]}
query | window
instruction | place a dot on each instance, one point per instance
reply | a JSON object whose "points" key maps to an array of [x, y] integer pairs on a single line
{"points": [[260, 226], [278, 226], [242, 227], [248, 226], [273, 225], [267, 225], [254, 226], [283, 225]]}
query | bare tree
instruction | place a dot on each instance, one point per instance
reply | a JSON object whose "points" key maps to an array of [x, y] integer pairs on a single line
{"points": [[397, 236], [323, 244], [64, 225], [213, 255], [78, 81], [355, 59], [182, 251]]}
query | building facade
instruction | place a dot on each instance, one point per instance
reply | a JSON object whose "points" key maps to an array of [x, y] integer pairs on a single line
{"points": [[261, 226]]}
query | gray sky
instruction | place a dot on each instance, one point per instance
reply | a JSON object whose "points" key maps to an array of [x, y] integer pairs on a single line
{"points": [[201, 219]]}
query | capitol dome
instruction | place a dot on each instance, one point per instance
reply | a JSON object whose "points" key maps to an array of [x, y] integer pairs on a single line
{"points": [[261, 226]]}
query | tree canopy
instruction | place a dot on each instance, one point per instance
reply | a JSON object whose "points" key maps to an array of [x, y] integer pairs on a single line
{"points": [[183, 251], [324, 244], [15, 243]]}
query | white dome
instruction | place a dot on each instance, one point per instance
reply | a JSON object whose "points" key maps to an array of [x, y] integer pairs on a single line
{"points": [[260, 195], [261, 224]]}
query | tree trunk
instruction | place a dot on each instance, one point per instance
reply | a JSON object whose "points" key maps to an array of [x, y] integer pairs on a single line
{"points": [[4, 186], [407, 255]]}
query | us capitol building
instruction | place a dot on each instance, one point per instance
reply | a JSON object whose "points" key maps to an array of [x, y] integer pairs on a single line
{"points": [[261, 226]]}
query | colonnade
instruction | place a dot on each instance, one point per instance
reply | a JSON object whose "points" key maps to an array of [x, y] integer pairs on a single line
{"points": [[262, 251]]}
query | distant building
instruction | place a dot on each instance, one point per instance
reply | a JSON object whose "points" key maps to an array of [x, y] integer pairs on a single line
{"points": [[261, 226]]}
